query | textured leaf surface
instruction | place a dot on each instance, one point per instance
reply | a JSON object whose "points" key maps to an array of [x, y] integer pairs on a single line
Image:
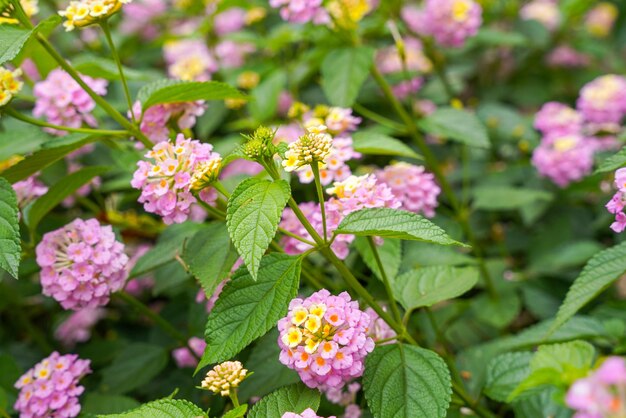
{"points": [[49, 153], [210, 256], [59, 191], [343, 73], [393, 223], [613, 162], [10, 246], [429, 285], [505, 372], [602, 269], [252, 216], [13, 39], [248, 308], [458, 125], [134, 366], [375, 143], [163, 408], [403, 381], [390, 253], [173, 91], [293, 398]]}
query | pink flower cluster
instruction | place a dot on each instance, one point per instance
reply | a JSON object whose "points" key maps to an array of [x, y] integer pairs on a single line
{"points": [[603, 100], [229, 21], [63, 102], [139, 17], [165, 179], [618, 201], [81, 264], [183, 357], [602, 394], [301, 11], [51, 389], [324, 338], [564, 56], [231, 54], [545, 12], [379, 329], [307, 413], [346, 397], [28, 190], [155, 120], [388, 59], [413, 186], [563, 158], [189, 60], [450, 22], [77, 327], [351, 195]]}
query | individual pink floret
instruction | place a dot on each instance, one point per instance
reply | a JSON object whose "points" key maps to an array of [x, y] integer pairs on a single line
{"points": [[164, 178], [307, 413], [51, 388], [413, 186], [183, 357], [81, 264], [156, 120], [61, 101], [28, 190], [301, 11], [324, 338]]}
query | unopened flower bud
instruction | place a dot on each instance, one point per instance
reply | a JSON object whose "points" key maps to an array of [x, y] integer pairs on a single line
{"points": [[297, 110], [205, 174], [313, 147], [224, 377], [248, 80]]}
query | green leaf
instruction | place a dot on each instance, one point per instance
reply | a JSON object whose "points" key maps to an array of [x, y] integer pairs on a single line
{"points": [[429, 285], [458, 125], [31, 138], [394, 223], [505, 372], [390, 253], [343, 73], [613, 162], [497, 313], [10, 244], [13, 39], [134, 366], [265, 96], [252, 215], [59, 191], [541, 404], [248, 308], [96, 403], [174, 91], [98, 67], [293, 398], [163, 408], [507, 198], [374, 143], [238, 412], [557, 365], [598, 274], [403, 381], [49, 153], [210, 256]]}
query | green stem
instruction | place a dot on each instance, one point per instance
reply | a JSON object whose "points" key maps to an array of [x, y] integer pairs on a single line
{"points": [[320, 196], [220, 188], [17, 115], [380, 119], [296, 236], [232, 392], [157, 319], [383, 273], [107, 34], [437, 60], [216, 213], [100, 101], [4, 413], [434, 166]]}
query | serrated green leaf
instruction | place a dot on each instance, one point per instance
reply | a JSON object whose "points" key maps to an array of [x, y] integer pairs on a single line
{"points": [[210, 256], [458, 125], [265, 96], [49, 153], [557, 365], [613, 162], [293, 398], [374, 143], [163, 408], [429, 285], [541, 404], [343, 73], [390, 253], [97, 403], [238, 412], [602, 269], [13, 39], [174, 91], [59, 191], [394, 223], [252, 215], [507, 198], [403, 381], [10, 244], [248, 308], [133, 367], [505, 372]]}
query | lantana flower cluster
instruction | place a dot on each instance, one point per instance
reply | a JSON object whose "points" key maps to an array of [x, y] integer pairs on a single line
{"points": [[302, 11], [602, 394], [224, 377], [86, 12], [307, 413], [324, 338], [77, 327], [61, 101], [165, 178], [28, 190], [618, 201], [413, 186], [571, 137], [545, 12], [600, 20], [10, 84], [51, 388], [189, 60], [81, 264], [313, 147], [156, 120], [184, 358]]}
